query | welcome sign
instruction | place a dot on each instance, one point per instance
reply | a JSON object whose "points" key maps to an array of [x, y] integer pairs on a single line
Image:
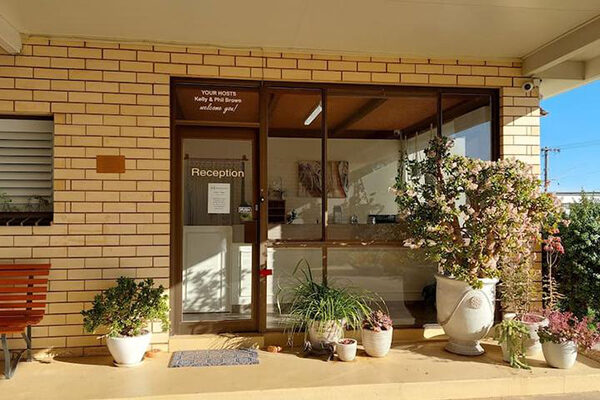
{"points": [[218, 101]]}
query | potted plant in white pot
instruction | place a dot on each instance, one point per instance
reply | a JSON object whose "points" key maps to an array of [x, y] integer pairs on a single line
{"points": [[346, 349], [563, 336], [321, 309], [377, 333], [517, 288], [125, 311], [512, 335], [472, 217]]}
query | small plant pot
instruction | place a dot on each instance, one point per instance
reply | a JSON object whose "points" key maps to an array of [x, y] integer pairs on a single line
{"points": [[323, 333], [128, 351], [560, 355], [533, 347], [377, 344], [505, 354], [346, 349]]}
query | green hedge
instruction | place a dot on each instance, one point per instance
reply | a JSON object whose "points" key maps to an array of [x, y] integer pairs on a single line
{"points": [[578, 275]]}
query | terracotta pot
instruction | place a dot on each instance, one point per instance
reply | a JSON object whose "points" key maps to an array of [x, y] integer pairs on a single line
{"points": [[560, 355], [128, 351], [465, 314], [377, 344], [346, 351]]}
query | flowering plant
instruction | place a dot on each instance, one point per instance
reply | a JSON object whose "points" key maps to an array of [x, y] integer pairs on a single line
{"points": [[564, 326], [469, 215], [553, 248], [378, 321]]}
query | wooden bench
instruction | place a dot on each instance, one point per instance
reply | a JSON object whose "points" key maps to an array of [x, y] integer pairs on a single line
{"points": [[23, 289]]}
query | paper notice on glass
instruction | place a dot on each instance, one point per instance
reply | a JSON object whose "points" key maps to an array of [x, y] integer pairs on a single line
{"points": [[219, 196]]}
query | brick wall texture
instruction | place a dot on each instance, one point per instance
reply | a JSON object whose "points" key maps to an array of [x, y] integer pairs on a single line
{"points": [[113, 98]]}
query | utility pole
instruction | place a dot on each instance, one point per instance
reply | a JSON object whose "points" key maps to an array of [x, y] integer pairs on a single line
{"points": [[546, 151]]}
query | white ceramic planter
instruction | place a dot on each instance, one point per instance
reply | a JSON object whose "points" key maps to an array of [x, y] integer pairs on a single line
{"points": [[321, 333], [465, 314], [377, 344], [346, 352], [128, 351], [533, 347], [560, 355]]}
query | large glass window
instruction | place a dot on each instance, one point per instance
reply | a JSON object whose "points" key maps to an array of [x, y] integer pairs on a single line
{"points": [[283, 262], [403, 278], [294, 165], [367, 132], [467, 119]]}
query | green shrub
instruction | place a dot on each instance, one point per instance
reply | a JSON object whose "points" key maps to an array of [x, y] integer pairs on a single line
{"points": [[128, 308], [578, 275], [307, 301]]}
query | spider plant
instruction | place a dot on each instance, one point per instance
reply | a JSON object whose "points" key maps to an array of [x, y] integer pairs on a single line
{"points": [[311, 303]]}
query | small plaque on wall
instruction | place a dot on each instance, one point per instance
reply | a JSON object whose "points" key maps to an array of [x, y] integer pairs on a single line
{"points": [[110, 164]]}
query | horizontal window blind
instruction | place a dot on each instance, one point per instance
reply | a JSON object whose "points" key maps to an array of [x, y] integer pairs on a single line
{"points": [[26, 165]]}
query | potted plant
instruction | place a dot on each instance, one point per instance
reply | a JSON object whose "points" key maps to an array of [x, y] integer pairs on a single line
{"points": [[377, 333], [512, 335], [346, 349], [472, 217], [321, 309], [564, 334], [517, 288], [125, 312]]}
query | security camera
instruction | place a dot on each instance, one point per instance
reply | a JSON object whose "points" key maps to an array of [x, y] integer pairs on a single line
{"points": [[527, 86]]}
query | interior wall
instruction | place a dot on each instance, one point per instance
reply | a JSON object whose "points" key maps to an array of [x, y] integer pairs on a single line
{"points": [[373, 166]]}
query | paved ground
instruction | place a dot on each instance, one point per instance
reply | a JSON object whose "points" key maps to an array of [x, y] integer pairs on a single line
{"points": [[412, 371], [572, 396]]}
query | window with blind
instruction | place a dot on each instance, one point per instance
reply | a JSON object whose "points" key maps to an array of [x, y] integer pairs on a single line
{"points": [[26, 171]]}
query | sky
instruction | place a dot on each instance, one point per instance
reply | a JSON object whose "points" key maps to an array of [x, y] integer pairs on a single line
{"points": [[573, 125]]}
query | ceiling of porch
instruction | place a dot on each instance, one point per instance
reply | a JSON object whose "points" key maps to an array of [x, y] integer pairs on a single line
{"points": [[489, 29]]}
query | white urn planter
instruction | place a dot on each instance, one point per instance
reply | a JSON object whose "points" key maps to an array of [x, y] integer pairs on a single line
{"points": [[466, 314], [560, 355], [377, 344], [128, 351], [321, 333], [346, 349]]}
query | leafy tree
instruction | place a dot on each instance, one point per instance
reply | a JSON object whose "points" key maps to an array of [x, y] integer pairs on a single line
{"points": [[578, 276]]}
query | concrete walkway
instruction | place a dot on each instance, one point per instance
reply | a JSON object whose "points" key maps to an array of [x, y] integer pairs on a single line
{"points": [[570, 396], [421, 371]]}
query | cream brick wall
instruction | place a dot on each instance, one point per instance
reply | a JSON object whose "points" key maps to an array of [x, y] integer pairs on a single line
{"points": [[113, 98]]}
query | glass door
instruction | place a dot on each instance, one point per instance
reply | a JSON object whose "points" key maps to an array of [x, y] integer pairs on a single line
{"points": [[218, 230]]}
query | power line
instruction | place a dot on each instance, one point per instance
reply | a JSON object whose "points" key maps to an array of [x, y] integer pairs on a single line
{"points": [[576, 145], [546, 151]]}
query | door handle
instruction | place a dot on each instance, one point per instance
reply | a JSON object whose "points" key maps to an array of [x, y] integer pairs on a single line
{"points": [[264, 272]]}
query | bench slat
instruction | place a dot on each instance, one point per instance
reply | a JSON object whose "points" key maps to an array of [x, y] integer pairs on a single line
{"points": [[23, 289], [23, 297], [31, 305], [17, 281], [29, 272], [21, 313], [23, 266]]}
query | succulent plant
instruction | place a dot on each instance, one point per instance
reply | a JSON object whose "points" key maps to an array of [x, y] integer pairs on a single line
{"points": [[378, 321]]}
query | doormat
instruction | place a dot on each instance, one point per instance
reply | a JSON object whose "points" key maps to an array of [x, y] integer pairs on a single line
{"points": [[213, 358]]}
